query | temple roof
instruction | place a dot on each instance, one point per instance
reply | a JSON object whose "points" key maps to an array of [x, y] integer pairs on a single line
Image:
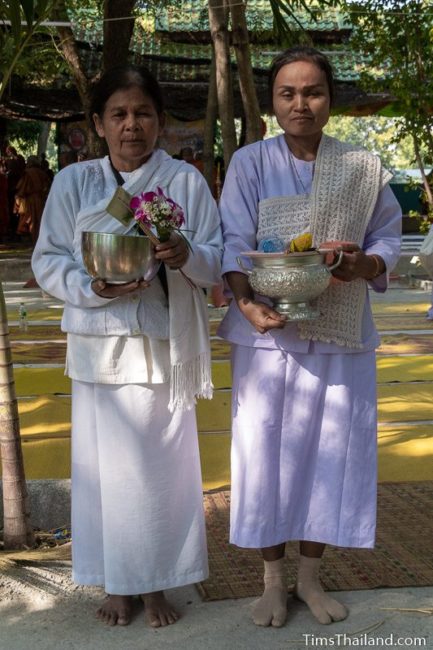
{"points": [[175, 45]]}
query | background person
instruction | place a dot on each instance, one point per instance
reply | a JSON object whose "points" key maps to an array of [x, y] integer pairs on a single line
{"points": [[45, 165], [137, 359], [15, 167], [4, 212], [304, 395], [31, 194]]}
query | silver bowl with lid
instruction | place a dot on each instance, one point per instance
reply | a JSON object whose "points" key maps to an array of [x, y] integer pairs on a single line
{"points": [[291, 280]]}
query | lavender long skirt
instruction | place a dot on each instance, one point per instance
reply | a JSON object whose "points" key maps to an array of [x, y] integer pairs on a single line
{"points": [[304, 448]]}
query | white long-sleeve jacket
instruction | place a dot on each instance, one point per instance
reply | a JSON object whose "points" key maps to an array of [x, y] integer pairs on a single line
{"points": [[77, 202]]}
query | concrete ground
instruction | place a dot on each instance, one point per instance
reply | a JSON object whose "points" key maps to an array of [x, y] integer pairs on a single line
{"points": [[40, 608]]}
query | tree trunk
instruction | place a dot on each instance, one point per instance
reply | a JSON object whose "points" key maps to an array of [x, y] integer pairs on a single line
{"points": [[209, 127], [3, 137], [17, 531], [71, 55], [117, 33], [117, 36], [44, 134], [427, 188], [429, 137], [218, 17], [246, 77]]}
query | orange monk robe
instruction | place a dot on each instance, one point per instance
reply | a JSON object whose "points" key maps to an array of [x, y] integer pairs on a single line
{"points": [[32, 190]]}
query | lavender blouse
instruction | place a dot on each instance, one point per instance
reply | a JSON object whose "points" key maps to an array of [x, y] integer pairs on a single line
{"points": [[266, 169]]}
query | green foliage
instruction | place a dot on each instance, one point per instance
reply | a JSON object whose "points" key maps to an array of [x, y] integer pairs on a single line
{"points": [[398, 35], [91, 12], [52, 152], [84, 12], [15, 42], [427, 217], [23, 135], [377, 134], [284, 15], [288, 26]]}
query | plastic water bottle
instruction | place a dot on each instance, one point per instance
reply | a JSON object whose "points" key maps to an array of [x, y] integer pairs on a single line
{"points": [[23, 317]]}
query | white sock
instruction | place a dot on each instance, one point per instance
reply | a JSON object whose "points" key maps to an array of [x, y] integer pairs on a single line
{"points": [[271, 608], [308, 589]]}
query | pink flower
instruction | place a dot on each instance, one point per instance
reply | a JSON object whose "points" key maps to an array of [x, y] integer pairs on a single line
{"points": [[157, 210]]}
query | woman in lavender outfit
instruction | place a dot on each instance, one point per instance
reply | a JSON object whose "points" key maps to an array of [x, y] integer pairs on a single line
{"points": [[304, 394]]}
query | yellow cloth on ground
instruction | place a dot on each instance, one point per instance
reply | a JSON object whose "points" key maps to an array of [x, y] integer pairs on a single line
{"points": [[39, 381], [405, 402], [45, 416], [53, 313], [398, 309], [398, 369], [405, 452]]}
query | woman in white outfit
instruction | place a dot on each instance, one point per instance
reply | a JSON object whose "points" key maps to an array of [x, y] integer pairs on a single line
{"points": [[138, 355], [304, 395]]}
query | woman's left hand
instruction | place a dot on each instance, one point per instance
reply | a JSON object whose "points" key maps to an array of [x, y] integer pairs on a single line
{"points": [[354, 264], [106, 290], [174, 252]]}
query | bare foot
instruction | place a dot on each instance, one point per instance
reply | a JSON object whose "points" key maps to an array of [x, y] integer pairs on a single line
{"points": [[115, 610], [157, 611]]}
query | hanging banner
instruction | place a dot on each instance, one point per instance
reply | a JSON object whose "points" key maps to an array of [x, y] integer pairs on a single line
{"points": [[72, 141]]}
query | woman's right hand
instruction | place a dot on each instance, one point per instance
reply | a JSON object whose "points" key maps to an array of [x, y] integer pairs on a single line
{"points": [[261, 316], [107, 290]]}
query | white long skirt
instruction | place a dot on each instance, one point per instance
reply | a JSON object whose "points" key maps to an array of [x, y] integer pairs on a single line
{"points": [[137, 505], [304, 448]]}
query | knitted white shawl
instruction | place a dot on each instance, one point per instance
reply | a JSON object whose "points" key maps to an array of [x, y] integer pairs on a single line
{"points": [[346, 185]]}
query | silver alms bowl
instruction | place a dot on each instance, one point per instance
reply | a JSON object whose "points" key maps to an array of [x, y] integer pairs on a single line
{"points": [[118, 258], [291, 280]]}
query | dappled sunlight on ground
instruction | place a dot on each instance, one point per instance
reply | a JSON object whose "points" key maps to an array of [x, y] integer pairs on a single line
{"points": [[406, 453], [404, 369], [408, 402], [401, 308], [45, 413]]}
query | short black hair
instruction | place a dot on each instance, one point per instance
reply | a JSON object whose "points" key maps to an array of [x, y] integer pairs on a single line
{"points": [[300, 53], [122, 77]]}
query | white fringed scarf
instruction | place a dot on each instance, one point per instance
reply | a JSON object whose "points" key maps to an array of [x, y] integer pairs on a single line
{"points": [[190, 359]]}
